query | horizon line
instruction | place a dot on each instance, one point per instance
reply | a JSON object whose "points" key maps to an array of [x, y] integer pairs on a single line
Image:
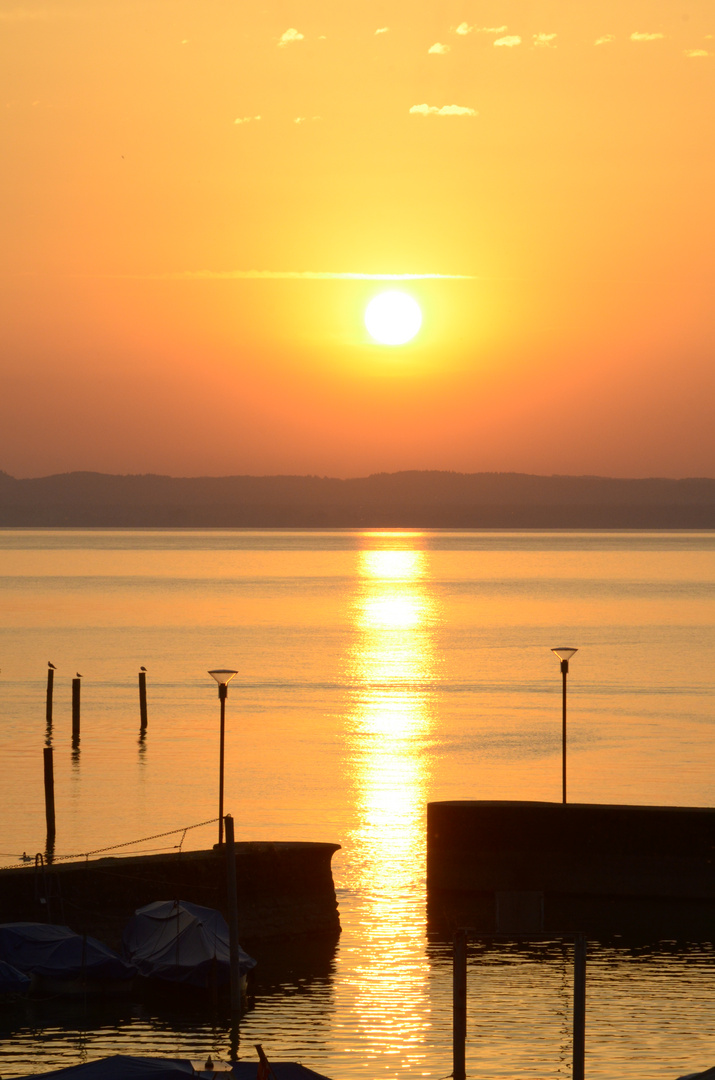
{"points": [[303, 275]]}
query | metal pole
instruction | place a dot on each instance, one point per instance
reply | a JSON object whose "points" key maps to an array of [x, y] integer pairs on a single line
{"points": [[459, 1005], [579, 1007], [232, 917], [564, 672], [223, 694]]}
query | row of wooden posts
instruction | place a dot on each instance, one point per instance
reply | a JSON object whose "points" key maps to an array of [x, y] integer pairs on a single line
{"points": [[48, 756], [76, 683]]}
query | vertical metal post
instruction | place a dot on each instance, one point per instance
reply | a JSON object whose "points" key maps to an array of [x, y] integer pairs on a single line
{"points": [[232, 916], [142, 700], [579, 1007], [564, 673], [223, 694], [75, 711], [459, 1005], [47, 754]]}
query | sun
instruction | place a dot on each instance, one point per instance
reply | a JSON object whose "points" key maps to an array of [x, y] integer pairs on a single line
{"points": [[393, 318]]}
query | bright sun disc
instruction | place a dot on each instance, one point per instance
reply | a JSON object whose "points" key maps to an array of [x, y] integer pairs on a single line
{"points": [[393, 318]]}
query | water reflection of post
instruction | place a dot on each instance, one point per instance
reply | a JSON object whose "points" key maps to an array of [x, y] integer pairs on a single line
{"points": [[391, 670]]}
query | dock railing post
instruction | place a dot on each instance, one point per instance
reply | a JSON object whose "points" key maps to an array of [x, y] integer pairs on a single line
{"points": [[232, 890], [459, 1005]]}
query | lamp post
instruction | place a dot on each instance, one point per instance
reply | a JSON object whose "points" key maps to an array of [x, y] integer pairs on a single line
{"points": [[223, 678], [564, 656]]}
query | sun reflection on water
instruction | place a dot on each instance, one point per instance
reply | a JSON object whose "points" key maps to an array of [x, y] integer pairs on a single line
{"points": [[391, 671]]}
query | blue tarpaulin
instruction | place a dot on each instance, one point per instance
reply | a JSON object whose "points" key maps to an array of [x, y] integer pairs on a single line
{"points": [[56, 952]]}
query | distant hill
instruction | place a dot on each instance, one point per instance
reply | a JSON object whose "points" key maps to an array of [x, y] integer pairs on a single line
{"points": [[384, 500]]}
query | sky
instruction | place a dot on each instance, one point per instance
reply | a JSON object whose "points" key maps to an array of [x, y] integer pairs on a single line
{"points": [[200, 197]]}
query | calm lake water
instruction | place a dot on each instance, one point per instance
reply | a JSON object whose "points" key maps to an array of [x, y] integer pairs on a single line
{"points": [[377, 671]]}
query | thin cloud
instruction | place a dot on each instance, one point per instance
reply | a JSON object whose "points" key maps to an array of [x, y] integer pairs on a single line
{"points": [[290, 37], [696, 52], [492, 29], [383, 30], [637, 36], [446, 110], [544, 40], [605, 39], [509, 41], [463, 29], [303, 275], [306, 119], [438, 48], [246, 119]]}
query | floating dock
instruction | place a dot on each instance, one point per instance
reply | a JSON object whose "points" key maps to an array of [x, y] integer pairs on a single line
{"points": [[643, 872]]}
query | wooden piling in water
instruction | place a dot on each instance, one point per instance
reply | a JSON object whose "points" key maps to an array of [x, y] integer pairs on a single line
{"points": [[50, 688], [47, 754], [75, 711], [142, 700]]}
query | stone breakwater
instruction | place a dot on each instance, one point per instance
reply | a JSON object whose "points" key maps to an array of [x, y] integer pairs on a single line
{"points": [[284, 890], [644, 871]]}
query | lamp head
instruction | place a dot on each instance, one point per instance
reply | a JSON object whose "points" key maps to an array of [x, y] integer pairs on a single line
{"points": [[564, 655], [223, 677]]}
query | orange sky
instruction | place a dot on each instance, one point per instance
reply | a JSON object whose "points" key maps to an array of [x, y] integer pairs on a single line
{"points": [[552, 162]]}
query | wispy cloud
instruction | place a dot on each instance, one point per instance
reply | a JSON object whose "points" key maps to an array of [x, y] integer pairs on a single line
{"points": [[438, 48], [545, 40], [605, 39], [290, 37], [303, 275], [246, 119], [638, 36], [492, 29], [306, 119], [383, 30], [509, 41], [445, 110], [463, 29], [696, 52]]}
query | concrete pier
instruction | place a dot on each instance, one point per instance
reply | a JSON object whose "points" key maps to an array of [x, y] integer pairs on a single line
{"points": [[284, 890], [638, 871]]}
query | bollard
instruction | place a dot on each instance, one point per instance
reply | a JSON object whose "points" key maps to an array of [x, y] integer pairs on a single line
{"points": [[75, 710], [47, 754], [142, 699]]}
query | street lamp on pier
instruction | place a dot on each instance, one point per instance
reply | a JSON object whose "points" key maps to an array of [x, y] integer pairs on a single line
{"points": [[564, 655], [223, 678]]}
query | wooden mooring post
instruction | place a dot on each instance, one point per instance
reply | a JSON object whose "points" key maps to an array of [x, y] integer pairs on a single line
{"points": [[75, 710], [142, 700], [50, 688], [49, 770], [459, 994]]}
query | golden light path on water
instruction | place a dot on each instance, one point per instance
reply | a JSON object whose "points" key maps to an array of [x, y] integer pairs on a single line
{"points": [[391, 667]]}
